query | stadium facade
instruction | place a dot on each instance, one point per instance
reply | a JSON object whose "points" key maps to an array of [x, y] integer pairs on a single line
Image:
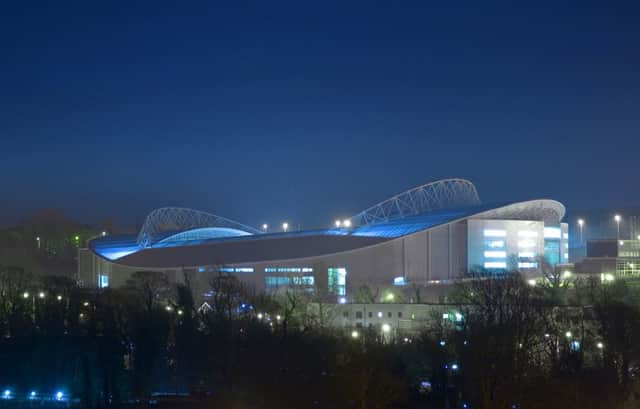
{"points": [[428, 236]]}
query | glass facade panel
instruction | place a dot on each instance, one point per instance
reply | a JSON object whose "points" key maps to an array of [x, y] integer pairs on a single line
{"points": [[337, 281]]}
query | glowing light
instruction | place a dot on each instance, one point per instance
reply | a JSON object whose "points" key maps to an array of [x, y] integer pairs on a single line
{"points": [[454, 367], [580, 222], [496, 244], [41, 294], [32, 394], [338, 223], [104, 233], [458, 317], [347, 223], [526, 243], [386, 328], [76, 238], [390, 297], [617, 218], [180, 312], [59, 297], [608, 277], [532, 282], [265, 227], [278, 317], [495, 264], [566, 274], [527, 264], [86, 303], [342, 300], [399, 281], [621, 243], [494, 233], [442, 343], [285, 226], [568, 334], [260, 316], [6, 394], [552, 233], [526, 254], [25, 295], [495, 254], [59, 395], [600, 345], [168, 308], [354, 334]]}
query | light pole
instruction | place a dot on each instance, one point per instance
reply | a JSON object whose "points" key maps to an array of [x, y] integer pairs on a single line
{"points": [[285, 226], [581, 225], [265, 227], [617, 218]]}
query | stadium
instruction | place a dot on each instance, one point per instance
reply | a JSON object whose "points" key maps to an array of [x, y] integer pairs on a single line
{"points": [[428, 236]]}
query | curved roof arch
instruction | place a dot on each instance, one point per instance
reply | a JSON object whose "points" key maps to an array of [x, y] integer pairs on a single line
{"points": [[438, 195], [166, 222], [549, 211]]}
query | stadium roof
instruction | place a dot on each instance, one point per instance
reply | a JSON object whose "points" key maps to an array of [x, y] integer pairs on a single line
{"points": [[201, 245]]}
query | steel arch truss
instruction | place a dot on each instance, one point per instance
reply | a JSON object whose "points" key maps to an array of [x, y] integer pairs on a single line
{"points": [[166, 220], [442, 194]]}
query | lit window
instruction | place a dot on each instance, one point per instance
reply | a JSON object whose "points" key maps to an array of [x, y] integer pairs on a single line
{"points": [[495, 244], [552, 233], [495, 254], [307, 269], [566, 255], [495, 264], [526, 254], [526, 244], [399, 281], [104, 281], [527, 233], [565, 236], [527, 265], [495, 233], [244, 270]]}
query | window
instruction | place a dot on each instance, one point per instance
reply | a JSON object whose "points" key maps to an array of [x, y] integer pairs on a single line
{"points": [[104, 281], [495, 244], [495, 264], [337, 281], [370, 314], [494, 233], [495, 254], [359, 315], [358, 325], [527, 265], [345, 314], [389, 314], [379, 314], [399, 314]]}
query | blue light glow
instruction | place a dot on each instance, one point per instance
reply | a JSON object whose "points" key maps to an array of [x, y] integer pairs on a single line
{"points": [[59, 395], [6, 394], [399, 281]]}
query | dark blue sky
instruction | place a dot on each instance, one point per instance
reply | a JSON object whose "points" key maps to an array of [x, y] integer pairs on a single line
{"points": [[261, 112]]}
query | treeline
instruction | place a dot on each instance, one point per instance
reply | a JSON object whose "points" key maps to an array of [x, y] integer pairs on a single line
{"points": [[554, 343]]}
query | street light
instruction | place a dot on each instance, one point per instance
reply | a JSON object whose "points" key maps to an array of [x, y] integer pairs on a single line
{"points": [[25, 295], [347, 223], [581, 225], [38, 241], [568, 334], [617, 218], [104, 233], [354, 334], [338, 223], [41, 294], [386, 327], [285, 226], [265, 227], [600, 345]]}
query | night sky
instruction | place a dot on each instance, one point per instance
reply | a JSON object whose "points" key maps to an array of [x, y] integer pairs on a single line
{"points": [[308, 111]]}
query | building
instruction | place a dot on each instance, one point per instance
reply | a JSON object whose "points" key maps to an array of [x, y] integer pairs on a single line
{"points": [[611, 258], [425, 237]]}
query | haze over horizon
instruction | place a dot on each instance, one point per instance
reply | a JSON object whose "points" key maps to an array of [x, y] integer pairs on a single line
{"points": [[262, 113]]}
